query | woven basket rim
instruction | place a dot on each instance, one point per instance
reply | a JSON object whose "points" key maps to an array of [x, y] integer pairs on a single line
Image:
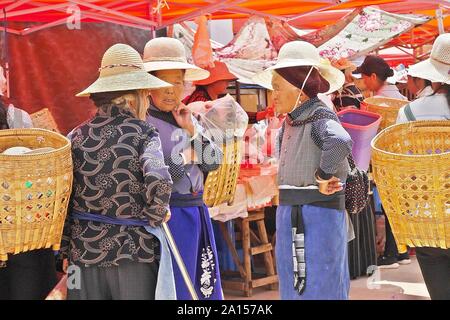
{"points": [[30, 132], [407, 156], [385, 98]]}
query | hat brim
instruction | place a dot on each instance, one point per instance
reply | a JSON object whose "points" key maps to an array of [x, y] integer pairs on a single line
{"points": [[124, 82], [333, 76], [431, 70], [205, 82], [193, 73]]}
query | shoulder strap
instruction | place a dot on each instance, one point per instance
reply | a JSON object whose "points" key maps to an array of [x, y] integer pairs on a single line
{"points": [[409, 114]]}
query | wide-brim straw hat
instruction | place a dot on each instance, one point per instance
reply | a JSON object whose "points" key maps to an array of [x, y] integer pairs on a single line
{"points": [[169, 54], [437, 67], [218, 72], [122, 69], [299, 54]]}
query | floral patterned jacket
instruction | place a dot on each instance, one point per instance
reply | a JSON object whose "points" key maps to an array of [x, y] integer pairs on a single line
{"points": [[119, 171]]}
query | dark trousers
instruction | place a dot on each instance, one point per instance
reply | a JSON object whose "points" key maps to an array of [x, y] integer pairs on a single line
{"points": [[390, 247], [435, 266], [28, 276], [130, 280]]}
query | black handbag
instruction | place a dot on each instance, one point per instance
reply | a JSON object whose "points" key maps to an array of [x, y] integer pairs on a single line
{"points": [[357, 183]]}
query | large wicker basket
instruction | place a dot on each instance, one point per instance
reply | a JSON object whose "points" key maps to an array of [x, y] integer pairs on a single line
{"points": [[34, 191], [220, 185], [388, 114], [411, 167]]}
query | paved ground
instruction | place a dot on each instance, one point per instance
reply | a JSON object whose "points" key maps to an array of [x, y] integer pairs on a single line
{"points": [[408, 277]]}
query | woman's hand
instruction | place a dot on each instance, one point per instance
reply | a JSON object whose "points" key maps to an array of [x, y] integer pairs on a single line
{"points": [[182, 116], [329, 187]]}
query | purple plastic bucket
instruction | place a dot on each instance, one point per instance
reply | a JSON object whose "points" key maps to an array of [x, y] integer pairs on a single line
{"points": [[362, 127]]}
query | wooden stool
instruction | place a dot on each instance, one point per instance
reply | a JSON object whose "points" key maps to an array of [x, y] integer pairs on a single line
{"points": [[246, 280]]}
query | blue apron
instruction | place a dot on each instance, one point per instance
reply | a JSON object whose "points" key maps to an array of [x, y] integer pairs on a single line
{"points": [[324, 257], [165, 286], [192, 230]]}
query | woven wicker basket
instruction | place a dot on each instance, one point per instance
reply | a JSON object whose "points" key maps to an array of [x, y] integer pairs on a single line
{"points": [[220, 185], [388, 114], [411, 167], [34, 191]]}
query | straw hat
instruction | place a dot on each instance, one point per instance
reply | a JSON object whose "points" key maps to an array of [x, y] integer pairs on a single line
{"points": [[301, 53], [122, 69], [169, 54], [218, 72], [437, 67]]}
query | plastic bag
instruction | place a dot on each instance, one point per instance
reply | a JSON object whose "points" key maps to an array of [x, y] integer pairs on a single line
{"points": [[224, 121]]}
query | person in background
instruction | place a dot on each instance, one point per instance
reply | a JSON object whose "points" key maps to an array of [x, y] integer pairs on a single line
{"points": [[375, 71], [9, 114], [29, 275], [121, 186], [349, 95], [189, 155], [215, 86], [417, 86], [434, 262]]}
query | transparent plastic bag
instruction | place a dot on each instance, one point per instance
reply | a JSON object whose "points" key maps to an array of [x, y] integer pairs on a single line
{"points": [[222, 122]]}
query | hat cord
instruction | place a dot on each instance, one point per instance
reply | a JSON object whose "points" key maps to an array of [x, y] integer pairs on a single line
{"points": [[303, 86], [117, 65]]}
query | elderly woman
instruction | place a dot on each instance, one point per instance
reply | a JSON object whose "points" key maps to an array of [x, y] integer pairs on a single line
{"points": [[189, 156], [121, 185], [311, 246]]}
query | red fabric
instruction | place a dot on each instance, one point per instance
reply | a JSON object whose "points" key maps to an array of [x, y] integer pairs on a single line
{"points": [[49, 67]]}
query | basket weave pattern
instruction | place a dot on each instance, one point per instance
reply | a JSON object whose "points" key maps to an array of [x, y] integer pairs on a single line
{"points": [[220, 185], [34, 191], [411, 167], [44, 119], [388, 114]]}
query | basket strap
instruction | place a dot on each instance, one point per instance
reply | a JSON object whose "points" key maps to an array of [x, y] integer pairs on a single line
{"points": [[409, 114]]}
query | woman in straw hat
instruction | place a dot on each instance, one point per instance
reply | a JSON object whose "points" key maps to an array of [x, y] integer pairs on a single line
{"points": [[121, 186], [436, 71], [311, 246], [216, 85], [189, 156], [434, 262]]}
